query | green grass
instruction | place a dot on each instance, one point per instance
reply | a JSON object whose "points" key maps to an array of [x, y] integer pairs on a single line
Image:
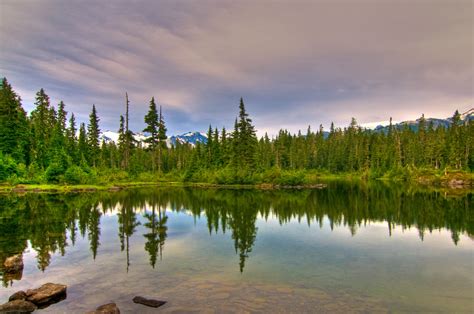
{"points": [[269, 179]]}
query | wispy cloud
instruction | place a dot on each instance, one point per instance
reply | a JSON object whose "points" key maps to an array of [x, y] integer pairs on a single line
{"points": [[295, 63]]}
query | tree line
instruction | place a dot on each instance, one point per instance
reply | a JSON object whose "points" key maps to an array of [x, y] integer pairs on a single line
{"points": [[48, 146]]}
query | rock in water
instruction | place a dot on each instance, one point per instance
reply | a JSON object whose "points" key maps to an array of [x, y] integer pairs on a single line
{"points": [[17, 306], [13, 264], [19, 295], [110, 308], [46, 294], [148, 302]]}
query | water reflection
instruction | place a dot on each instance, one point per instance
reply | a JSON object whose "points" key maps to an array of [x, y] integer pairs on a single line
{"points": [[49, 223]]}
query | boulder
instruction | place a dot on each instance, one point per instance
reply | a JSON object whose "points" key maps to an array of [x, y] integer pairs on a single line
{"points": [[19, 295], [110, 308], [17, 306], [46, 294], [13, 264], [148, 302]]}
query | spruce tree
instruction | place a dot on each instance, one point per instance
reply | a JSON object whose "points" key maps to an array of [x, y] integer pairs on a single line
{"points": [[152, 124], [14, 126], [152, 127], [71, 140], [93, 133], [122, 143], [217, 148], [128, 138], [58, 140], [42, 126], [82, 146], [245, 140], [161, 139]]}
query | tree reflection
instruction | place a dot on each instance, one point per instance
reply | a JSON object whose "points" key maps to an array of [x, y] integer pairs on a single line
{"points": [[127, 220], [49, 223], [155, 239]]}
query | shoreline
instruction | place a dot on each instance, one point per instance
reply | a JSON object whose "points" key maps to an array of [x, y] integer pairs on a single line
{"points": [[444, 185], [63, 188]]}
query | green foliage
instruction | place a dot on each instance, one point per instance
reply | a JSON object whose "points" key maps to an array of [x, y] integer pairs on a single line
{"points": [[14, 124], [54, 173], [75, 175], [47, 149], [93, 133], [295, 177], [8, 167], [152, 125]]}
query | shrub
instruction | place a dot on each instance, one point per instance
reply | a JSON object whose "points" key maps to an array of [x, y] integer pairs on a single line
{"points": [[75, 175], [54, 173], [8, 167], [146, 177], [291, 178]]}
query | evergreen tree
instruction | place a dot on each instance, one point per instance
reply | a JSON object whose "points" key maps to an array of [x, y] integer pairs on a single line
{"points": [[244, 140], [14, 125], [83, 148], [128, 140], [93, 133], [58, 140], [122, 143], [42, 125], [152, 127], [161, 139], [71, 140]]}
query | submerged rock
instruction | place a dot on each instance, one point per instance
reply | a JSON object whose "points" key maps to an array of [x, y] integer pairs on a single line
{"points": [[19, 295], [17, 306], [13, 264], [148, 302], [110, 308], [47, 294]]}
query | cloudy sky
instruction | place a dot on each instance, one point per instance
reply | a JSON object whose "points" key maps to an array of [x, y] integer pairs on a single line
{"points": [[294, 63]]}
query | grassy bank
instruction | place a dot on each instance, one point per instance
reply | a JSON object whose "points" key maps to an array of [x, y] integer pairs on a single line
{"points": [[263, 180]]}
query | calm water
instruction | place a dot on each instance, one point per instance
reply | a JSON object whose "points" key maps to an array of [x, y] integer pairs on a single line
{"points": [[347, 248]]}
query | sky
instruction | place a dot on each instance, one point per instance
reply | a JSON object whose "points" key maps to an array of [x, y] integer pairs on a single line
{"points": [[295, 63]]}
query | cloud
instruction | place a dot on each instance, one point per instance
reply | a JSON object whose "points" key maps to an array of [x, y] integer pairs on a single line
{"points": [[295, 63]]}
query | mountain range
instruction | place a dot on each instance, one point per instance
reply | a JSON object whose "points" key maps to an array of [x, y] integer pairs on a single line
{"points": [[198, 137], [190, 137], [413, 124]]}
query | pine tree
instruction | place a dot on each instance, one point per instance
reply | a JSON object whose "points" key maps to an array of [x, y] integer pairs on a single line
{"points": [[93, 133], [58, 139], [455, 150], [14, 125], [71, 141], [82, 146], [209, 147], [244, 140], [161, 139], [152, 122], [224, 147], [128, 138], [217, 148], [122, 143], [42, 126]]}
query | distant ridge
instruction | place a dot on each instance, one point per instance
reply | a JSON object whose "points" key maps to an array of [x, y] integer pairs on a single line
{"points": [[195, 137]]}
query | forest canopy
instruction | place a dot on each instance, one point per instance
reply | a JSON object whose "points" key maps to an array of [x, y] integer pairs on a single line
{"points": [[47, 146]]}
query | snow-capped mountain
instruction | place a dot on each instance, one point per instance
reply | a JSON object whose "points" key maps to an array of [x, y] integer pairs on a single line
{"points": [[413, 124], [199, 137], [189, 137]]}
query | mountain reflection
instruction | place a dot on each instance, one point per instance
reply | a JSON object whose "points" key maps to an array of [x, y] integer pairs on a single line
{"points": [[51, 222]]}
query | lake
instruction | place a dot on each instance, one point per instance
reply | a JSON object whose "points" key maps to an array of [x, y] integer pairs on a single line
{"points": [[345, 248]]}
